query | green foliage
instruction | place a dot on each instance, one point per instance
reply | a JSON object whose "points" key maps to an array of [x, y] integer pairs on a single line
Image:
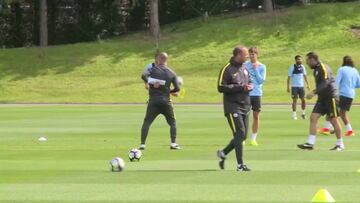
{"points": [[109, 71]]}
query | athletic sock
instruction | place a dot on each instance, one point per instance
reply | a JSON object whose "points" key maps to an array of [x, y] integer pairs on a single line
{"points": [[340, 142], [253, 136], [173, 144], [294, 113], [311, 139], [222, 154], [327, 125], [303, 112], [348, 127]]}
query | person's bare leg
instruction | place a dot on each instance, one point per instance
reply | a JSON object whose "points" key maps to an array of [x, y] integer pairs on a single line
{"points": [[313, 123], [337, 127], [294, 108], [255, 125], [344, 117], [309, 145]]}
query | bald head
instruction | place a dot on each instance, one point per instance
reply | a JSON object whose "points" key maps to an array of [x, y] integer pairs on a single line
{"points": [[240, 54], [162, 58]]}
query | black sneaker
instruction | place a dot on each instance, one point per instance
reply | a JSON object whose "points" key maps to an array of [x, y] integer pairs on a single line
{"points": [[243, 167], [306, 146], [175, 147], [222, 159], [303, 116], [337, 148]]}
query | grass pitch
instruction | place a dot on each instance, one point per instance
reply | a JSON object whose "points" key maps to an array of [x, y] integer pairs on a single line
{"points": [[72, 166]]}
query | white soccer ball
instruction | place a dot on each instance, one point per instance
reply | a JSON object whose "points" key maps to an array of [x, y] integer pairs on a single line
{"points": [[180, 80], [135, 155], [117, 164]]}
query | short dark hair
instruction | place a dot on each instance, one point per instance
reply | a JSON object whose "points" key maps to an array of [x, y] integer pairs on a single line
{"points": [[312, 55], [253, 50], [238, 49], [347, 61], [297, 56]]}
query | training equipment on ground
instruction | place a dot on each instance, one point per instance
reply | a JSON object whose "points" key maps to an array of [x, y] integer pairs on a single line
{"points": [[117, 164], [135, 155], [42, 139], [322, 196]]}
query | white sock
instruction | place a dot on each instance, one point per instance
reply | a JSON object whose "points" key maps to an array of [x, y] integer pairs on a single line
{"points": [[327, 124], [142, 145], [311, 139], [173, 144], [303, 112], [294, 113], [348, 127], [222, 154], [253, 136], [340, 142]]}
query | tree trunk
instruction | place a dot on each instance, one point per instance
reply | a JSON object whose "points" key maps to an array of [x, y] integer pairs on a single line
{"points": [[268, 6], [154, 18], [304, 2], [43, 24]]}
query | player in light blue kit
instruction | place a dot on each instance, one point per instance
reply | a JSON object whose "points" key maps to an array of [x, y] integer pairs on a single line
{"points": [[297, 75], [347, 80], [257, 73]]}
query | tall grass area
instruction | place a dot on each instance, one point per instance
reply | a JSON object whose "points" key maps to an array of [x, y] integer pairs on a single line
{"points": [[109, 71]]}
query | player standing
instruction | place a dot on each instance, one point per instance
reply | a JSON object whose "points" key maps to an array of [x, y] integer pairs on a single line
{"points": [[257, 73], [297, 75], [160, 77]]}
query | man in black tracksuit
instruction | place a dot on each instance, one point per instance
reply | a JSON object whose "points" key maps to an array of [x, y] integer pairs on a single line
{"points": [[325, 104], [235, 84], [160, 77]]}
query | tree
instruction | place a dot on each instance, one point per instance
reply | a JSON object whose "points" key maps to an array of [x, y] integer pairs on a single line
{"points": [[268, 6], [304, 1], [43, 24], [154, 18]]}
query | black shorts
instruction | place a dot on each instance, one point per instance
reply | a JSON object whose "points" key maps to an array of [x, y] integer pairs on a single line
{"points": [[297, 92], [255, 103], [326, 106], [345, 103]]}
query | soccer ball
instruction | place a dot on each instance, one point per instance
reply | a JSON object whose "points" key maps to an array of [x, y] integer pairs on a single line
{"points": [[180, 80], [117, 164], [135, 155]]}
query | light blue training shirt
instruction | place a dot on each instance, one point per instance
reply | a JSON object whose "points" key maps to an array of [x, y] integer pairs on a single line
{"points": [[258, 76], [347, 80]]}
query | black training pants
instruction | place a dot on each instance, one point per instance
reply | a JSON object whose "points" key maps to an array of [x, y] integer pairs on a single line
{"points": [[156, 106], [239, 126]]}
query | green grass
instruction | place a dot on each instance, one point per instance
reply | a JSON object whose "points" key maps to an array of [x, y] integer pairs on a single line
{"points": [[109, 71], [72, 166]]}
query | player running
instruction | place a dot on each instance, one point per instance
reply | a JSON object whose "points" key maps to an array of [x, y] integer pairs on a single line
{"points": [[297, 75], [235, 84], [325, 104], [257, 73], [160, 77], [347, 80]]}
